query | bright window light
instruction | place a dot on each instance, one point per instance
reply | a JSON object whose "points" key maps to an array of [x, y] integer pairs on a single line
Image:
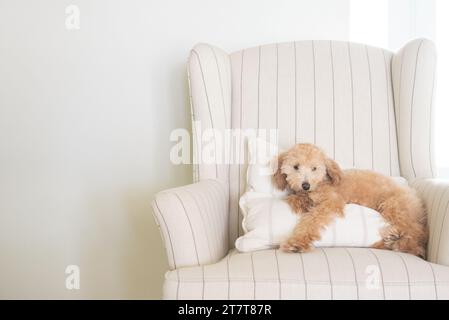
{"points": [[369, 22], [442, 90]]}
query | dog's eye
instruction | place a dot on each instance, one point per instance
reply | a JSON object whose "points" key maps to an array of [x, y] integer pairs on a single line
{"points": [[296, 167], [314, 169]]}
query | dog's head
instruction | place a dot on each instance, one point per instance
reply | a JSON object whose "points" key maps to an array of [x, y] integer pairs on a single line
{"points": [[304, 168]]}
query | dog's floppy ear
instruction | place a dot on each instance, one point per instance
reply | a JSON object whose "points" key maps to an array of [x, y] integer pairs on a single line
{"points": [[279, 178], [333, 171]]}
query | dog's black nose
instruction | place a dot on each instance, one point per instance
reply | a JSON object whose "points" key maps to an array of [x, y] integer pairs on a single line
{"points": [[306, 186]]}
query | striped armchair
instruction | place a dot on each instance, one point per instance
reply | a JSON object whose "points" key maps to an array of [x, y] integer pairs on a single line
{"points": [[367, 107]]}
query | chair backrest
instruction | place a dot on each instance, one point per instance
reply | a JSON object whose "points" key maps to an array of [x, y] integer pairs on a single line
{"points": [[347, 98]]}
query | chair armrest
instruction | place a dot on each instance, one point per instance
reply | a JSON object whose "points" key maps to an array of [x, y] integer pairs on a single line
{"points": [[194, 221], [435, 194]]}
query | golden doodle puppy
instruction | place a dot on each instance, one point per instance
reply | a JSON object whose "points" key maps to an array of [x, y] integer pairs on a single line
{"points": [[319, 191]]}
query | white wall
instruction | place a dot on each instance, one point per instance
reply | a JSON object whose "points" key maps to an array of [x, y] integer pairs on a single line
{"points": [[85, 117]]}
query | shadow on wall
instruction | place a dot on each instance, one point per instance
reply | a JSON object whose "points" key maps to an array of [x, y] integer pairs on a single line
{"points": [[143, 266], [119, 256]]}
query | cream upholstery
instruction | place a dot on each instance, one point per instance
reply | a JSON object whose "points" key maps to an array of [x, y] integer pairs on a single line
{"points": [[413, 73], [435, 194], [367, 107], [326, 273], [193, 223]]}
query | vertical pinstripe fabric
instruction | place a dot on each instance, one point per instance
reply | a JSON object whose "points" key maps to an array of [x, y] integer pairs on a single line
{"points": [[371, 105], [354, 272], [436, 224], [333, 97], [296, 91], [435, 194], [159, 217], [290, 86], [278, 274], [209, 71], [311, 91], [209, 75], [195, 166], [181, 201], [330, 273], [277, 86], [408, 275], [303, 269], [379, 277], [367, 107], [254, 276], [194, 222], [314, 91], [204, 218], [352, 104], [434, 281], [413, 73]]}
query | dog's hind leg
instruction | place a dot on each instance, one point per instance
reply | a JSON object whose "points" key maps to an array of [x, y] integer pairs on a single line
{"points": [[407, 230]]}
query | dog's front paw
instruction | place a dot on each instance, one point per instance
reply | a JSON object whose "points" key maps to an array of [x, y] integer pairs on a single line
{"points": [[296, 245]]}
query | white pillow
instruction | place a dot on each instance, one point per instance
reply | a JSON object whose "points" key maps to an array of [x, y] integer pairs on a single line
{"points": [[261, 167], [268, 219]]}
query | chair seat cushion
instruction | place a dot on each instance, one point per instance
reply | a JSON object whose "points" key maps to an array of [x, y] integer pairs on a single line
{"points": [[324, 273]]}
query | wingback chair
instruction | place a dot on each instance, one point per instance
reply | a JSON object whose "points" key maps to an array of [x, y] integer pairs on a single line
{"points": [[367, 108]]}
